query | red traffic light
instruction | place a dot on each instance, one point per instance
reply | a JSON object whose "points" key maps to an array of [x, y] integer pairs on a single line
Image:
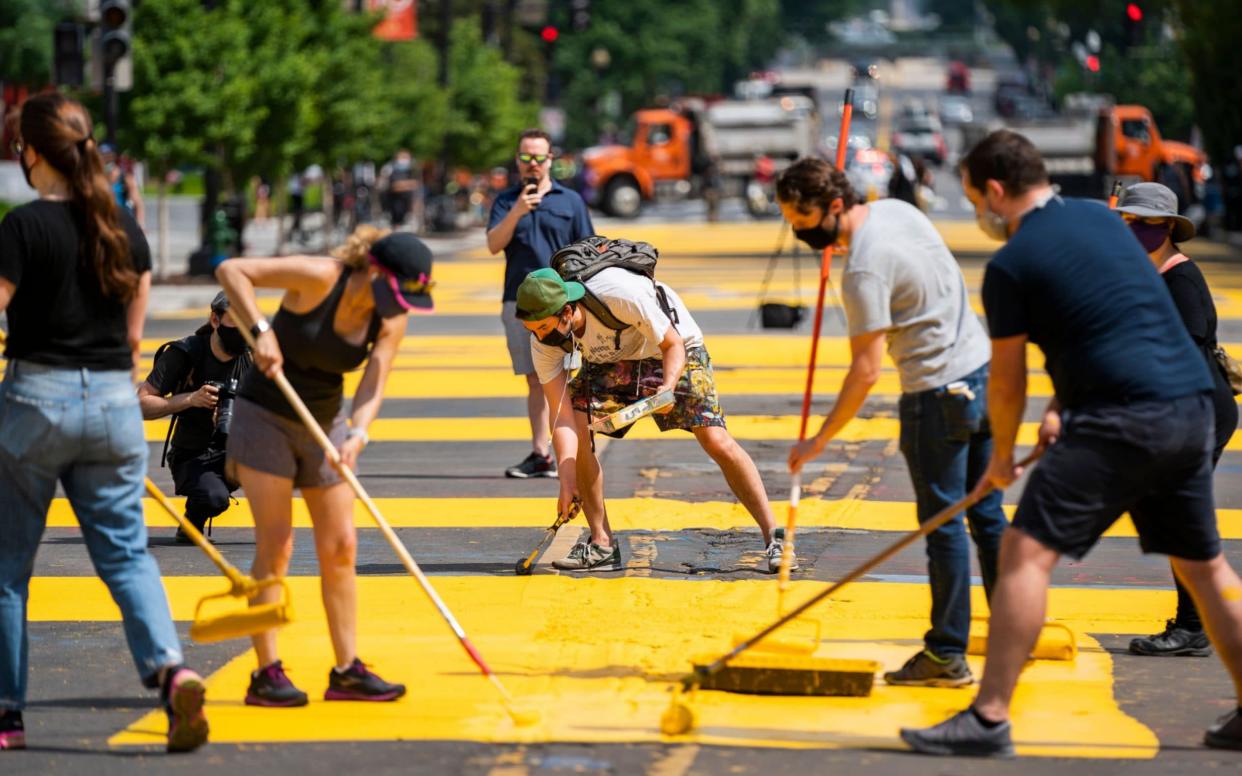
{"points": [[1093, 63], [549, 34], [1134, 12]]}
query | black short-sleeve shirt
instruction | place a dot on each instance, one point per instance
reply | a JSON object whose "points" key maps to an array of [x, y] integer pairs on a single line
{"points": [[59, 315], [176, 367], [1075, 280]]}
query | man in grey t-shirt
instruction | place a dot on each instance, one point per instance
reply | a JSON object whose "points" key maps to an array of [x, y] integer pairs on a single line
{"points": [[902, 287]]}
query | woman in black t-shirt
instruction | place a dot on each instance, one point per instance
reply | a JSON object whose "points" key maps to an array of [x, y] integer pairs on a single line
{"points": [[1151, 211], [74, 279]]}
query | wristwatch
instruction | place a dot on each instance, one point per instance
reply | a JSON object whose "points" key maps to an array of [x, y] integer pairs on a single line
{"points": [[259, 327], [359, 433]]}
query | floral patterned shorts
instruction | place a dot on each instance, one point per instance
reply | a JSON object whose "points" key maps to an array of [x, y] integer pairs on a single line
{"points": [[607, 388]]}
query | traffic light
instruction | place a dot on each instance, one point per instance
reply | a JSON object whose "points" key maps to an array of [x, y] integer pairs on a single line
{"points": [[68, 55], [114, 37], [579, 14], [1093, 63], [549, 34], [1132, 25]]}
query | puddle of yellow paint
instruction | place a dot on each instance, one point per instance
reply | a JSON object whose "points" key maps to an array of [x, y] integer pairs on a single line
{"points": [[597, 656]]}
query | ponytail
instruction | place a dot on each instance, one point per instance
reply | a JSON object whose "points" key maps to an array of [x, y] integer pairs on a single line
{"points": [[59, 129], [356, 251]]}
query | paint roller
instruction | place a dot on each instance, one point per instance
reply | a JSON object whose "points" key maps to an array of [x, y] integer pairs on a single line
{"points": [[776, 674]]}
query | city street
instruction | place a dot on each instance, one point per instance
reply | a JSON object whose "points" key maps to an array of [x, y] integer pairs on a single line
{"points": [[596, 654]]}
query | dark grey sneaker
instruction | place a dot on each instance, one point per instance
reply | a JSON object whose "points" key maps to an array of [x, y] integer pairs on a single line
{"points": [[962, 734], [534, 465], [1173, 642], [928, 670], [585, 556], [270, 686], [1226, 733], [774, 551], [359, 683]]}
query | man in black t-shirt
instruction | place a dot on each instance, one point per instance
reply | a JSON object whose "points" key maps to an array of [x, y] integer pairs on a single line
{"points": [[194, 379], [1129, 428]]}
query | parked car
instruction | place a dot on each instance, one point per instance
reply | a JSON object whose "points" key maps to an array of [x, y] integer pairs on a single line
{"points": [[921, 137]]}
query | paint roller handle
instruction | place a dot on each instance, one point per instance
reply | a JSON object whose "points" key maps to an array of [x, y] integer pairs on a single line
{"points": [[241, 583], [944, 516]]}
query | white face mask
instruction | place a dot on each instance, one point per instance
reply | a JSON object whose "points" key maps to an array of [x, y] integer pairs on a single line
{"points": [[992, 224]]}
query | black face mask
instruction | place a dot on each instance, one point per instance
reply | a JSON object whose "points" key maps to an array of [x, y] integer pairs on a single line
{"points": [[231, 340], [556, 338], [818, 237], [21, 161]]}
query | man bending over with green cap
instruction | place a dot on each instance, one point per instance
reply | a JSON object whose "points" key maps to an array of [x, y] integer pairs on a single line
{"points": [[653, 346]]}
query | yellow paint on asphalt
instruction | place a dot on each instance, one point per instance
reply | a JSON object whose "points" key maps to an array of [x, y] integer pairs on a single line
{"points": [[606, 678], [625, 514]]}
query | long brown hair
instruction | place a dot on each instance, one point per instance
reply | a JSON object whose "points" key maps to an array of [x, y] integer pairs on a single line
{"points": [[59, 129]]}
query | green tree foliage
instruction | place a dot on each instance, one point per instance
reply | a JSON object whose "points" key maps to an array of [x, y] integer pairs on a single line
{"points": [[485, 113], [1209, 34], [659, 49], [810, 18], [419, 107], [26, 39]]}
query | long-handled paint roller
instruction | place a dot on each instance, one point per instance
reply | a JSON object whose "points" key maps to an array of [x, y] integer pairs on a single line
{"points": [[232, 625], [788, 675], [520, 717], [525, 565], [825, 268]]}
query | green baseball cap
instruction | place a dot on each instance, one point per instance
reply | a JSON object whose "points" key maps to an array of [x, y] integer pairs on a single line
{"points": [[543, 293]]}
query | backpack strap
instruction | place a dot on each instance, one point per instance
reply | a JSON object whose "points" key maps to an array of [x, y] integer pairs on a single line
{"points": [[196, 347], [604, 315]]}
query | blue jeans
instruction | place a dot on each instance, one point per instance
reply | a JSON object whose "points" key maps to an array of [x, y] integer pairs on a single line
{"points": [[947, 442], [84, 429]]}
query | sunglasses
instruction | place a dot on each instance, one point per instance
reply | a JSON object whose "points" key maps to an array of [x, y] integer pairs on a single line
{"points": [[536, 158]]}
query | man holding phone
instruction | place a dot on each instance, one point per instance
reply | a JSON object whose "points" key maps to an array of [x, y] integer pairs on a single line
{"points": [[530, 222]]}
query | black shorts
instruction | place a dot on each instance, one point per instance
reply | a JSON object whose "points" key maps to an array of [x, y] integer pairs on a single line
{"points": [[1151, 459]]}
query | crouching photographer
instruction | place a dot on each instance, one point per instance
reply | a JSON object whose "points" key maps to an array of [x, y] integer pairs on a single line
{"points": [[194, 380]]}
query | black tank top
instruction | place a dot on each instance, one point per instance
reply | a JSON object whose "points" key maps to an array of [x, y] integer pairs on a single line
{"points": [[316, 359]]}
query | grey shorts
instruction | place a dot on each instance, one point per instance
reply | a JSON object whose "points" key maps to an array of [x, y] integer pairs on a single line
{"points": [[517, 337], [273, 444]]}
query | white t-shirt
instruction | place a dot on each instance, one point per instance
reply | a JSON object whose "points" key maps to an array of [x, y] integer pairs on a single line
{"points": [[632, 299]]}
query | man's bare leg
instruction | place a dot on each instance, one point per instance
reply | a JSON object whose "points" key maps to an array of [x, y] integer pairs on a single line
{"points": [[741, 474]]}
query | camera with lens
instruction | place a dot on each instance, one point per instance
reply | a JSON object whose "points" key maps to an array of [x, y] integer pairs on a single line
{"points": [[225, 397]]}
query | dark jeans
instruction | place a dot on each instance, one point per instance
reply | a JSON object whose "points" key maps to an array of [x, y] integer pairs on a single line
{"points": [[200, 478], [947, 442]]}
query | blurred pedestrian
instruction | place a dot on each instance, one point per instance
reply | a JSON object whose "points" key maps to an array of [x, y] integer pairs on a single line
{"points": [[401, 184], [530, 222], [336, 315], [124, 183], [297, 205], [1150, 209], [1129, 429], [902, 289], [75, 274]]}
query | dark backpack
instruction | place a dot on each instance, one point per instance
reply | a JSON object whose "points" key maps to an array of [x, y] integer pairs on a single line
{"points": [[195, 346], [586, 258]]}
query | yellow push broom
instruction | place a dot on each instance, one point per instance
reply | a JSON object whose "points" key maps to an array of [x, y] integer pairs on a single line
{"points": [[236, 624]]}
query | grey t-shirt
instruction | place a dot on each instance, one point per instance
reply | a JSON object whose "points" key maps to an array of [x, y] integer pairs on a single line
{"points": [[900, 278]]}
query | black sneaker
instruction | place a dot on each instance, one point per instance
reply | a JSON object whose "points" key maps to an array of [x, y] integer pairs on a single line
{"points": [[12, 730], [961, 734], [270, 686], [928, 670], [184, 696], [1174, 641], [1225, 734], [534, 465], [589, 556], [358, 683], [204, 528]]}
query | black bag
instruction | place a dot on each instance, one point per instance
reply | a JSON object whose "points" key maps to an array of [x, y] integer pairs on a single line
{"points": [[776, 315], [586, 258]]}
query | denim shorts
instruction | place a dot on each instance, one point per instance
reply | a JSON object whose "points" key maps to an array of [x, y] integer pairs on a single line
{"points": [[1151, 459], [274, 444]]}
